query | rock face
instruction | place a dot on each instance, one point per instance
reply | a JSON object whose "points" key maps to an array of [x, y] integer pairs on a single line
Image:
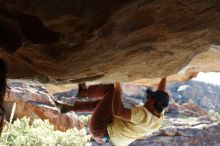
{"points": [[196, 135], [33, 101], [121, 40], [202, 94]]}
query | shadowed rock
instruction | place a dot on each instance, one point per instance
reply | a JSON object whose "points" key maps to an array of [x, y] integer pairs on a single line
{"points": [[120, 40]]}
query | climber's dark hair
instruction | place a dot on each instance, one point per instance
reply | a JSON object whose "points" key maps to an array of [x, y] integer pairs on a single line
{"points": [[3, 86]]}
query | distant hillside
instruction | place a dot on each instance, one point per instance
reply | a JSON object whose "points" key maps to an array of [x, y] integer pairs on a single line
{"points": [[203, 94]]}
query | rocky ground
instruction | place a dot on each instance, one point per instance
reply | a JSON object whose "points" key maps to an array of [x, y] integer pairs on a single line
{"points": [[183, 132], [186, 123]]}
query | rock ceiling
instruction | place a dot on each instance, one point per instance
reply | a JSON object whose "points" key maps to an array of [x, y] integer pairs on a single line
{"points": [[123, 40]]}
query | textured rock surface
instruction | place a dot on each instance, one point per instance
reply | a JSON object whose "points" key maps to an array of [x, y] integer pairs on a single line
{"points": [[33, 101], [122, 40], [196, 135], [204, 95]]}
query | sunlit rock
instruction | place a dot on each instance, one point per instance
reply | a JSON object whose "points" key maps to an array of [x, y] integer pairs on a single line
{"points": [[35, 103]]}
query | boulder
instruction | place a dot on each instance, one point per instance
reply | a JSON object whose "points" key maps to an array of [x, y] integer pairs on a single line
{"points": [[109, 40], [191, 109], [35, 103]]}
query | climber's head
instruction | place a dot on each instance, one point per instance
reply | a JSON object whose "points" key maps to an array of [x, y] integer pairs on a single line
{"points": [[158, 100]]}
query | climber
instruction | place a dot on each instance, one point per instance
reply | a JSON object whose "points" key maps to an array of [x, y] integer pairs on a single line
{"points": [[3, 86], [111, 121]]}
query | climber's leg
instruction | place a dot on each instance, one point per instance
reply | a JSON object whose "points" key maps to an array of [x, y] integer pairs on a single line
{"points": [[102, 114]]}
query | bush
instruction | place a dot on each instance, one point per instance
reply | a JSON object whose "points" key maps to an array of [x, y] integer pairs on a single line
{"points": [[214, 115], [85, 119], [42, 133]]}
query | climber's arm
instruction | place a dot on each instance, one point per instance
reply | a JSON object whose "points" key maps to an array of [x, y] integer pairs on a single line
{"points": [[162, 85], [119, 110]]}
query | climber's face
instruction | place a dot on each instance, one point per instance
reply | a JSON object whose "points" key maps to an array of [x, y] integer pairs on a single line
{"points": [[150, 106], [151, 102]]}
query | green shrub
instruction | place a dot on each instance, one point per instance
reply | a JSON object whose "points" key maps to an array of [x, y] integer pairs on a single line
{"points": [[214, 115], [85, 119], [42, 133]]}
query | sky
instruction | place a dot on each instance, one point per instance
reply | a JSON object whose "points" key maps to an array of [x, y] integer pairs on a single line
{"points": [[211, 77]]}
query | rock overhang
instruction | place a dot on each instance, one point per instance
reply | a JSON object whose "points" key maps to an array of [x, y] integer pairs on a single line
{"points": [[108, 41]]}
